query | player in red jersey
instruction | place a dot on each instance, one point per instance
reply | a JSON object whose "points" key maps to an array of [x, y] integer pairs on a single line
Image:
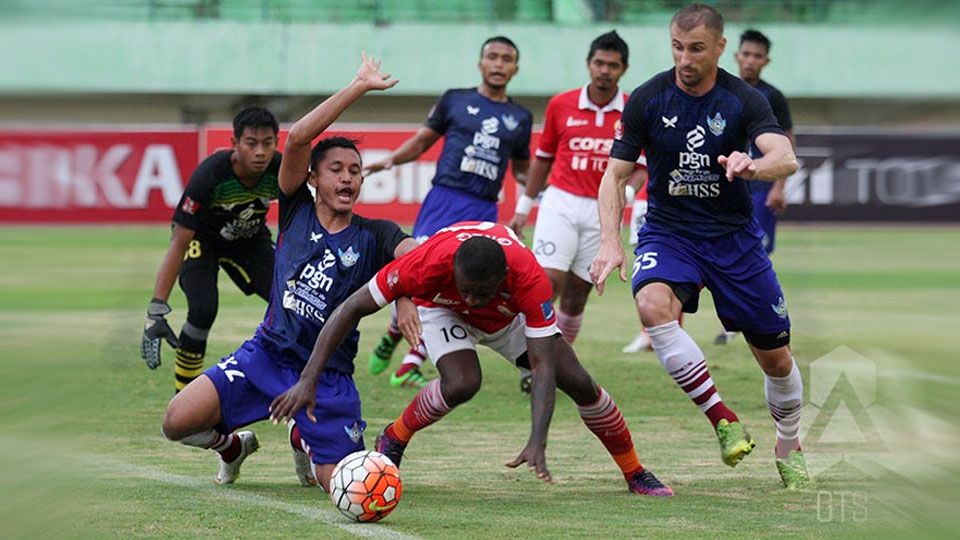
{"points": [[577, 136], [475, 282]]}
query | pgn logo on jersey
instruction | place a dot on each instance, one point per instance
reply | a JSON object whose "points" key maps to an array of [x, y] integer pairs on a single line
{"points": [[695, 138], [490, 125], [693, 159], [547, 309], [313, 275], [348, 257], [716, 124]]}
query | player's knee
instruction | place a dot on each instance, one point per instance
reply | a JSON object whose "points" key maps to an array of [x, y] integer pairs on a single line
{"points": [[460, 389], [654, 307], [202, 314], [573, 303], [173, 427]]}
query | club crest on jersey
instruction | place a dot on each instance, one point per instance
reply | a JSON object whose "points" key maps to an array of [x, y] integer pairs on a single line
{"points": [[355, 432], [780, 308], [189, 206], [472, 111], [547, 309], [510, 122], [348, 257], [490, 125], [716, 124]]}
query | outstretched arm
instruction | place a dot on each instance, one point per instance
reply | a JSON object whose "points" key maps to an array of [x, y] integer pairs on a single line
{"points": [[296, 153], [536, 178], [410, 150], [338, 325]]}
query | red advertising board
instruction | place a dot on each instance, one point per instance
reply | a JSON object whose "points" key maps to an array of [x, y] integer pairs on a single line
{"points": [[94, 176], [395, 194]]}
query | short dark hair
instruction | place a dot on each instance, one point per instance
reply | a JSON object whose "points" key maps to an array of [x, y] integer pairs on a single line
{"points": [[254, 117], [500, 39], [480, 258], [698, 14], [611, 41], [320, 149], [756, 36]]}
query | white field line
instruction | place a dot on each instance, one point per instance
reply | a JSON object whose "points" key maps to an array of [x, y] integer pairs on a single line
{"points": [[328, 517]]}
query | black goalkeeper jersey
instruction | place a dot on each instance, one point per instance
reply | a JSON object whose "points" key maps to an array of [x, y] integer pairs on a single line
{"points": [[217, 206]]}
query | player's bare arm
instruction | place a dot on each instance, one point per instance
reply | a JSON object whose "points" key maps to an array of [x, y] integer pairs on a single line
{"points": [[778, 161], [296, 155], [521, 170], [172, 261], [777, 199], [156, 326], [410, 150], [543, 394], [536, 179], [408, 319], [338, 325], [611, 201]]}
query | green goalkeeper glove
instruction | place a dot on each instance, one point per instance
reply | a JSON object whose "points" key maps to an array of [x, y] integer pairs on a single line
{"points": [[155, 328]]}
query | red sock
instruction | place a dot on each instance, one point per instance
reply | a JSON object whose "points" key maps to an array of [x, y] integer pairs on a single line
{"points": [[296, 441], [720, 412], [230, 449], [604, 420], [425, 409]]}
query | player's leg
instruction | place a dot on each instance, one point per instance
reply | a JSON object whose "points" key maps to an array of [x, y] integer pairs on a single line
{"points": [[198, 279], [379, 358], [454, 344], [206, 413], [666, 281], [338, 432], [250, 266]]}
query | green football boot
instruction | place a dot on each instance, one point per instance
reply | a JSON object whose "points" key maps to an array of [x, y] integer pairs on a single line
{"points": [[735, 442], [793, 470], [380, 357]]}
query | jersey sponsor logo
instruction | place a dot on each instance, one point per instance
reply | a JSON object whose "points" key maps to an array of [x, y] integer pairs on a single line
{"points": [[780, 308], [716, 124], [591, 144], [693, 178], [437, 299], [190, 206], [355, 432], [480, 167], [313, 275], [490, 125], [669, 122], [510, 122], [695, 138], [472, 111], [348, 257], [576, 122]]}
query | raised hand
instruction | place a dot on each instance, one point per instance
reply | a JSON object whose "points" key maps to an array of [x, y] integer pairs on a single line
{"points": [[369, 74]]}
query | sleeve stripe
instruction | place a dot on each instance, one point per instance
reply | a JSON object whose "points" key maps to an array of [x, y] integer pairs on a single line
{"points": [[546, 331], [378, 296], [546, 155]]}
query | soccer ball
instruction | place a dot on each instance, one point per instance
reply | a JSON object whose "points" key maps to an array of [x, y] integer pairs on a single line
{"points": [[365, 486]]}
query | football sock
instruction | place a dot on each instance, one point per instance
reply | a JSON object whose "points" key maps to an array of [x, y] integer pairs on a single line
{"points": [[189, 361], [569, 325], [225, 444], [425, 409], [414, 359], [297, 442], [604, 420], [684, 361], [785, 400]]}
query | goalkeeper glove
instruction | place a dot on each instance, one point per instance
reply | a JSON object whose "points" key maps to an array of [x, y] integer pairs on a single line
{"points": [[155, 328]]}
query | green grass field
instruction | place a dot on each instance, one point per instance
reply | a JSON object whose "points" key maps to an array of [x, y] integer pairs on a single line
{"points": [[81, 455]]}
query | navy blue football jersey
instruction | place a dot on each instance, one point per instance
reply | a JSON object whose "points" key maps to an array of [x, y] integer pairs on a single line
{"points": [[683, 136], [314, 272], [480, 137], [778, 102]]}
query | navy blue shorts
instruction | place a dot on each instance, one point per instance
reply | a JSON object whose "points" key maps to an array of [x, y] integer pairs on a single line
{"points": [[445, 206], [248, 381], [734, 267], [766, 218]]}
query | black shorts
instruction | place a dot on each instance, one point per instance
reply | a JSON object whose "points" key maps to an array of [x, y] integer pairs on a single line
{"points": [[249, 263]]}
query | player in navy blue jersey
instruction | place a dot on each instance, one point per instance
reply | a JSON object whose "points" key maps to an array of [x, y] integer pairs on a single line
{"points": [[768, 197], [324, 253], [483, 129], [694, 121]]}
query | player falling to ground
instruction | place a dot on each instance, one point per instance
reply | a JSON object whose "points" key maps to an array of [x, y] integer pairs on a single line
{"points": [[220, 222], [483, 129], [768, 197], [693, 121], [324, 253], [475, 282], [573, 150]]}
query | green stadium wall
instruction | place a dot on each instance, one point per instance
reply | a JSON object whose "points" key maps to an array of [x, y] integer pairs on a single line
{"points": [[217, 57]]}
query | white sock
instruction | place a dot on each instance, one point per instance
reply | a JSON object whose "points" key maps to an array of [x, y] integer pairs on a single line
{"points": [[210, 438], [785, 400], [415, 356], [684, 361], [569, 325]]}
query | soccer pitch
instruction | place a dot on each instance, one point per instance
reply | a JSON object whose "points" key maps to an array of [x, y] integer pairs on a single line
{"points": [[81, 454]]}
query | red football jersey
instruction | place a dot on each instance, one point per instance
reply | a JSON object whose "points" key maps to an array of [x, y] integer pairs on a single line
{"points": [[426, 275], [577, 136]]}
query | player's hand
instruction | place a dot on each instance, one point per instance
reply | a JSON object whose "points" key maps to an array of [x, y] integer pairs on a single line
{"points": [[303, 394], [738, 164], [608, 258], [369, 74], [517, 223], [377, 166], [534, 455], [776, 200], [408, 320], [154, 329]]}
